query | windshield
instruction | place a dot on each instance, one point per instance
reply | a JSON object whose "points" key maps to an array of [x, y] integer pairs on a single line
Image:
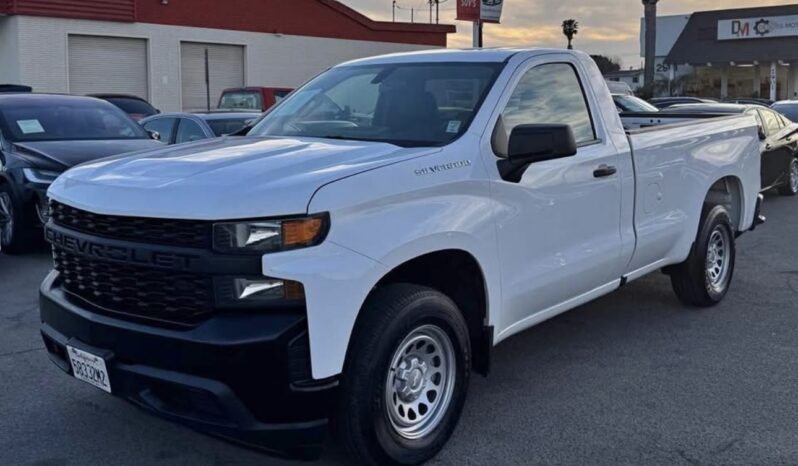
{"points": [[64, 120], [242, 99], [629, 103], [409, 105], [788, 110]]}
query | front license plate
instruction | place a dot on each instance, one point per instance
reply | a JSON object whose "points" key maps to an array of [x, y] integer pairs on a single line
{"points": [[89, 368]]}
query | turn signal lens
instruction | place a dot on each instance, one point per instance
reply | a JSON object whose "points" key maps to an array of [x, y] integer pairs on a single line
{"points": [[304, 232]]}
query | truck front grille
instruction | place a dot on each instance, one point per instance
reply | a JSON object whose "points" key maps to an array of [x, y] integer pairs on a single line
{"points": [[136, 292], [182, 233]]}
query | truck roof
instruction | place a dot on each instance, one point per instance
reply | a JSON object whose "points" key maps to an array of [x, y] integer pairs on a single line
{"points": [[494, 55]]}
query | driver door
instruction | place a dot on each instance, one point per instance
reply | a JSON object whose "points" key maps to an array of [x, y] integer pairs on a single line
{"points": [[559, 227]]}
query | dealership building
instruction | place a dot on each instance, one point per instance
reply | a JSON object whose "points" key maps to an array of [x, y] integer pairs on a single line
{"points": [[157, 49], [749, 52]]}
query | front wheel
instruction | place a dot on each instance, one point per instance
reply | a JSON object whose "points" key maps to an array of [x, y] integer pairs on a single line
{"points": [[16, 225], [791, 187], [704, 278], [406, 377]]}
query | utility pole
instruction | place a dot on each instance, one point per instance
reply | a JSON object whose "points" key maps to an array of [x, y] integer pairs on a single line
{"points": [[651, 43], [393, 11], [437, 11], [412, 15], [430, 11]]}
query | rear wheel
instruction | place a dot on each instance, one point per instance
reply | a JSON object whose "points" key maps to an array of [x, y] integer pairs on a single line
{"points": [[791, 187], [704, 278], [16, 225], [406, 377]]}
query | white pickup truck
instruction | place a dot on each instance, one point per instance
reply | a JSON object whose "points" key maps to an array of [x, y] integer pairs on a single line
{"points": [[377, 233]]}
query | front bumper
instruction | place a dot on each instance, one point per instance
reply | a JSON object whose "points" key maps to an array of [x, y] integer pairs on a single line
{"points": [[242, 376]]}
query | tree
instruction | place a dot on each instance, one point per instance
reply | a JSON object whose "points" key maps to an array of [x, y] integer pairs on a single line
{"points": [[607, 64], [570, 28], [651, 41]]}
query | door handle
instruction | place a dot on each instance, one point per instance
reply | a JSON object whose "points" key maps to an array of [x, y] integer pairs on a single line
{"points": [[604, 171]]}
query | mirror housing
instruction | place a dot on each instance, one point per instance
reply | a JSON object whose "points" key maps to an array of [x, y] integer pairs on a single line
{"points": [[762, 135], [154, 135], [530, 144]]}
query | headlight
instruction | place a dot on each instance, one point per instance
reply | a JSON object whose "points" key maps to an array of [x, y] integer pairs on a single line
{"points": [[34, 175], [270, 235]]}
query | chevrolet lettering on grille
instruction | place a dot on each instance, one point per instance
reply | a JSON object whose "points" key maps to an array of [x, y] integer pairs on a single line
{"points": [[93, 249]]}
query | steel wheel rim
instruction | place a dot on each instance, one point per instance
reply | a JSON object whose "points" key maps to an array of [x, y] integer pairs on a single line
{"points": [[6, 218], [420, 382], [718, 261], [794, 176]]}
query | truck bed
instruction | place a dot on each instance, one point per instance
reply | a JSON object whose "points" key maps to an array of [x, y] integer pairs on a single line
{"points": [[633, 121]]}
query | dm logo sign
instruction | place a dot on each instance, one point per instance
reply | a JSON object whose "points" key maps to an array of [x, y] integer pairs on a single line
{"points": [[758, 28]]}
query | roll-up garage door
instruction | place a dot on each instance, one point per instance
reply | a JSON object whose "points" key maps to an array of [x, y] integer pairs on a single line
{"points": [[225, 66], [111, 65]]}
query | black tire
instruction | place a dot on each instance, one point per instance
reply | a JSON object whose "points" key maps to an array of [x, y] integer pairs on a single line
{"points": [[363, 421], [692, 280], [790, 188], [20, 236]]}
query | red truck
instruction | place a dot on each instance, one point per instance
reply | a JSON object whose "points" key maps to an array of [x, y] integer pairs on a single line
{"points": [[252, 98]]}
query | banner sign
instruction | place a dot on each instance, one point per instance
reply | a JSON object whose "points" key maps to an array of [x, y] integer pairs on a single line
{"points": [[758, 28], [487, 11]]}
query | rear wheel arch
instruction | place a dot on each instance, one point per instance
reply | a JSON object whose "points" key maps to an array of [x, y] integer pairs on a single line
{"points": [[727, 192]]}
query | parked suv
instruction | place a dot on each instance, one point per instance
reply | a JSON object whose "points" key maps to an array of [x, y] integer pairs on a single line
{"points": [[42, 135]]}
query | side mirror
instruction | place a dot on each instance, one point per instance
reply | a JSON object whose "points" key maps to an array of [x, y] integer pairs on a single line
{"points": [[154, 135], [530, 144], [762, 135]]}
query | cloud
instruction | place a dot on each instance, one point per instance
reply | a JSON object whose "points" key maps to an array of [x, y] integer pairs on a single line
{"points": [[609, 27]]}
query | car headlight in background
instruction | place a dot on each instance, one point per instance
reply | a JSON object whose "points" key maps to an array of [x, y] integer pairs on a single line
{"points": [[34, 175], [270, 235]]}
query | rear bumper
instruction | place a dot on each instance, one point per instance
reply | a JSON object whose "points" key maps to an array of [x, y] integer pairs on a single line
{"points": [[241, 376]]}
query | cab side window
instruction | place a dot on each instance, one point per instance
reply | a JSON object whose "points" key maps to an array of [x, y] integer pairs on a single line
{"points": [[546, 94]]}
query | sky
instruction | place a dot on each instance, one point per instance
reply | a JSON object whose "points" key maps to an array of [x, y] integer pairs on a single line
{"points": [[608, 27]]}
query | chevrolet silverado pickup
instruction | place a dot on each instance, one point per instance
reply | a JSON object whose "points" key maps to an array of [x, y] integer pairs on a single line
{"points": [[351, 261]]}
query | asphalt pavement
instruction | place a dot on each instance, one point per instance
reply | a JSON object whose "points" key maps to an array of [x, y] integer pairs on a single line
{"points": [[634, 378]]}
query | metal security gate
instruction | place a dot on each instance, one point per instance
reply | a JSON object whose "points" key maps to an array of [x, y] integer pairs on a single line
{"points": [[204, 80], [112, 65]]}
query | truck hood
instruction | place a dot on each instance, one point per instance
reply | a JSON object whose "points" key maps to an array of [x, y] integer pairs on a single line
{"points": [[67, 154], [220, 179]]}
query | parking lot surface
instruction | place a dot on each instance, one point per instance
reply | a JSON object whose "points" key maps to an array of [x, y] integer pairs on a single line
{"points": [[633, 378]]}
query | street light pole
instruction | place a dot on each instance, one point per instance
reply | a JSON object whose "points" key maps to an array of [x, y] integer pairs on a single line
{"points": [[477, 34]]}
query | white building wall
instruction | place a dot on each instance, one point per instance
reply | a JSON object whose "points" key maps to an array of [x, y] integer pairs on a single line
{"points": [[270, 59], [9, 51]]}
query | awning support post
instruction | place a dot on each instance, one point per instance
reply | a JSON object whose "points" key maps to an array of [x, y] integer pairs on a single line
{"points": [[773, 81]]}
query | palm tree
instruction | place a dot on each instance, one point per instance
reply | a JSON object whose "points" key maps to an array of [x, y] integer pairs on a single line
{"points": [[570, 28], [651, 41]]}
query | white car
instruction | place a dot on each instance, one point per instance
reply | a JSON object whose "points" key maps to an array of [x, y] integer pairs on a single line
{"points": [[376, 234]]}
